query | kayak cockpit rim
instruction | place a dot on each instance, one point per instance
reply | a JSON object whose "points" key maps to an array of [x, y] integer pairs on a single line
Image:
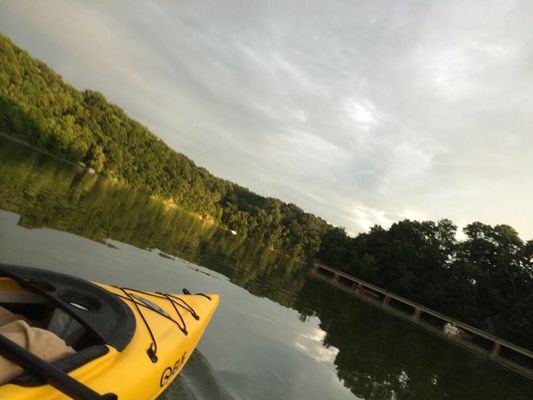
{"points": [[82, 301], [100, 312]]}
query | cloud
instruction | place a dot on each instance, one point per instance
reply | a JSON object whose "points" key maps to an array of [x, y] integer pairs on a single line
{"points": [[366, 217], [362, 113], [356, 111]]}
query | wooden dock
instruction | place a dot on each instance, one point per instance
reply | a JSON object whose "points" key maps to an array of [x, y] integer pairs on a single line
{"points": [[483, 344]]}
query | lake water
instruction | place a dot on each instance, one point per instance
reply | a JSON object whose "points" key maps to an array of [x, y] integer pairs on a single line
{"points": [[277, 333]]}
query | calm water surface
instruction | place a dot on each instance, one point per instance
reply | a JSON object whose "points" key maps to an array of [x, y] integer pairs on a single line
{"points": [[276, 335]]}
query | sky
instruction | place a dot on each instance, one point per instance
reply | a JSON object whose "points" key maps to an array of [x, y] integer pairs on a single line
{"points": [[361, 112]]}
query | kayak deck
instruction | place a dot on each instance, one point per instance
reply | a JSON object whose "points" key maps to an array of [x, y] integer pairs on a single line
{"points": [[166, 329]]}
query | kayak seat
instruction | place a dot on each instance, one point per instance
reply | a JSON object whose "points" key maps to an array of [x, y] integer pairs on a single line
{"points": [[44, 315], [66, 327], [65, 364]]}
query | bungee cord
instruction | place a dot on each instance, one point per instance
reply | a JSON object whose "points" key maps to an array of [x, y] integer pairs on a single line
{"points": [[174, 301]]}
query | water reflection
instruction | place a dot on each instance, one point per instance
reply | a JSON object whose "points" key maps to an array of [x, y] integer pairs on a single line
{"points": [[375, 356], [197, 382]]}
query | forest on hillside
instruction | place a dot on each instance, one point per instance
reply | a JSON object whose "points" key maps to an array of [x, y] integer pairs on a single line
{"points": [[37, 107], [485, 280]]}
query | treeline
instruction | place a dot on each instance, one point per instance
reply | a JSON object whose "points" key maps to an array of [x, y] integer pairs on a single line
{"points": [[39, 108], [485, 280]]}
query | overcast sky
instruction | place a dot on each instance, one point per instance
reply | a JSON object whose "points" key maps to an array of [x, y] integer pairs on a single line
{"points": [[362, 112]]}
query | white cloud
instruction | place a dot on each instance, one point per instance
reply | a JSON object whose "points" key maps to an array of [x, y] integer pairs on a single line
{"points": [[365, 217], [362, 113]]}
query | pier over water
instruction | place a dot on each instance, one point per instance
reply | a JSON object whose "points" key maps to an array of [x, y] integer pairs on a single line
{"points": [[481, 343]]}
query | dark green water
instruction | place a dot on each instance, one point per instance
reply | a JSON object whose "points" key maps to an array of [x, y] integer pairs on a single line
{"points": [[276, 335]]}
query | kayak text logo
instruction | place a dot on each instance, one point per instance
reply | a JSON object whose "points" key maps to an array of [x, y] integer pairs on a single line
{"points": [[170, 371]]}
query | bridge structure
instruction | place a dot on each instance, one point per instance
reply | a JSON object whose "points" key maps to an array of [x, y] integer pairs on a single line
{"points": [[483, 344]]}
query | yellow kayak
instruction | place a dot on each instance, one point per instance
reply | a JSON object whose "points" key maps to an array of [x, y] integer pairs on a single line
{"points": [[128, 344]]}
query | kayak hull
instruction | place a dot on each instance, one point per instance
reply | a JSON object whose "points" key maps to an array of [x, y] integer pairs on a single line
{"points": [[134, 373]]}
